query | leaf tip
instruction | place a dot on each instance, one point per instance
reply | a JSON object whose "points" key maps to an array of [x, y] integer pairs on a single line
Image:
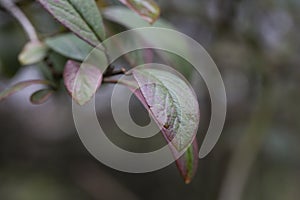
{"points": [[41, 96], [33, 52]]}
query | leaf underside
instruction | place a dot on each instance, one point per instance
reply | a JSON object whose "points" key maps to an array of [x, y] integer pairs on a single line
{"points": [[174, 107]]}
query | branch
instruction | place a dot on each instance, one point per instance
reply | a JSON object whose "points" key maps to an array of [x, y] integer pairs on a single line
{"points": [[21, 17]]}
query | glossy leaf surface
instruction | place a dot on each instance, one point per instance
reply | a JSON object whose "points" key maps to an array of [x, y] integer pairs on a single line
{"points": [[172, 103]]}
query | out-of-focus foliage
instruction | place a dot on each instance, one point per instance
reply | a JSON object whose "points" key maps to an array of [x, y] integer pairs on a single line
{"points": [[163, 90]]}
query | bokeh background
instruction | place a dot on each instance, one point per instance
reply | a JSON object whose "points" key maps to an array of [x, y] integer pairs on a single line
{"points": [[256, 46]]}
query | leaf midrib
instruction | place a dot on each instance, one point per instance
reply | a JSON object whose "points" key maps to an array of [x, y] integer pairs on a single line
{"points": [[88, 24], [179, 116]]}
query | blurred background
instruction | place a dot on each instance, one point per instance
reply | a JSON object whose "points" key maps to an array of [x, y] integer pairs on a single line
{"points": [[256, 46]]}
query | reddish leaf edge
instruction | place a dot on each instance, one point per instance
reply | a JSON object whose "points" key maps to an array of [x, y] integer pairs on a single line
{"points": [[71, 84], [45, 95], [186, 172], [20, 86], [68, 28]]}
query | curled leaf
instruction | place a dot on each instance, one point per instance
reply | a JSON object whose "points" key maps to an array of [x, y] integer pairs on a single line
{"points": [[82, 81], [33, 52], [147, 9], [81, 17], [187, 163], [41, 96], [19, 86]]}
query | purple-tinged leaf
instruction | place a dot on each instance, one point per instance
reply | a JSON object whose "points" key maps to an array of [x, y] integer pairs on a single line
{"points": [[19, 86], [81, 17], [82, 81], [172, 102], [162, 93], [147, 9], [187, 163], [41, 96]]}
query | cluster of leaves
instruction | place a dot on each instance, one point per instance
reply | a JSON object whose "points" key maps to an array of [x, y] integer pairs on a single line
{"points": [[171, 103]]}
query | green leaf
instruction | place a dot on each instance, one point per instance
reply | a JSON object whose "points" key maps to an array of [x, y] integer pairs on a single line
{"points": [[172, 103], [155, 93], [147, 9], [19, 86], [187, 164], [41, 96], [70, 46], [82, 81], [33, 52], [81, 17]]}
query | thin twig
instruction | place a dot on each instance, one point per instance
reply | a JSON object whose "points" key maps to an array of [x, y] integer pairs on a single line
{"points": [[112, 81], [10, 6], [121, 71], [127, 83]]}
